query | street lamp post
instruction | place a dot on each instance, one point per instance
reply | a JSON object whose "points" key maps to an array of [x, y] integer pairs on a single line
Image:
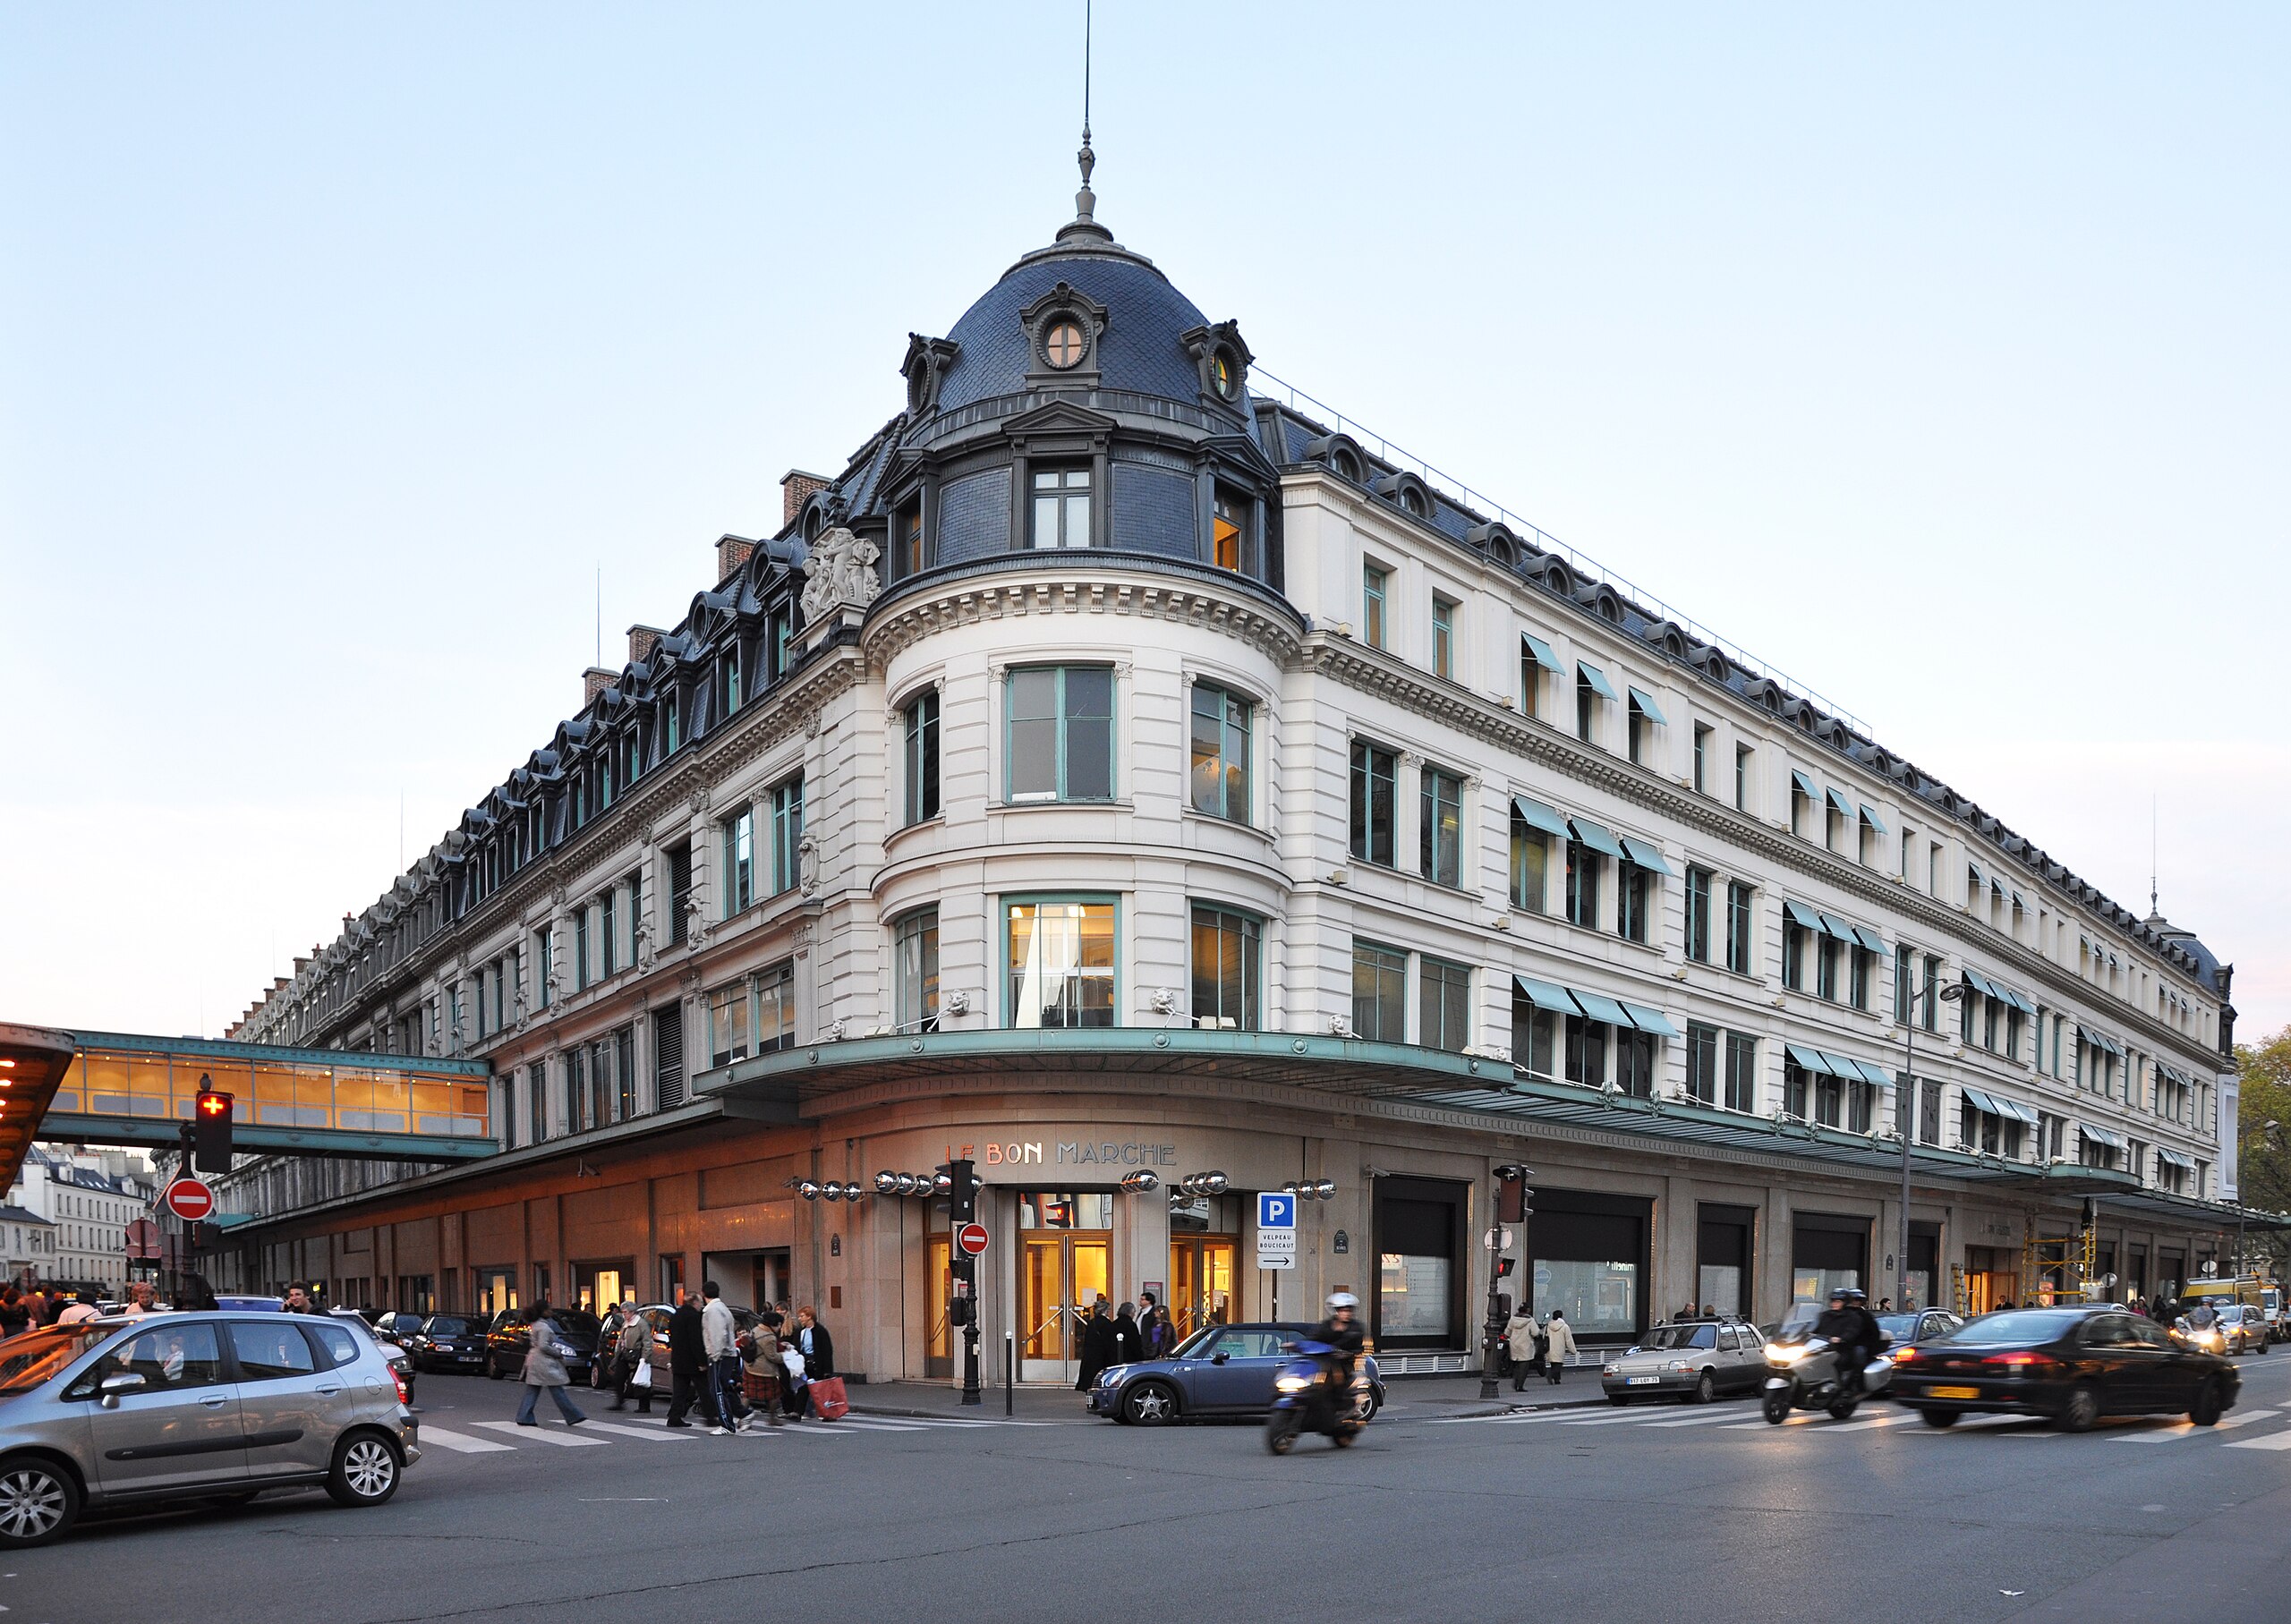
{"points": [[1906, 1120]]}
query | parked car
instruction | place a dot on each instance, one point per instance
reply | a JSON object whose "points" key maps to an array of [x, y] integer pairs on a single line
{"points": [[1220, 1370], [213, 1406], [506, 1344], [448, 1343], [2071, 1365], [260, 1305], [395, 1325], [1695, 1360]]}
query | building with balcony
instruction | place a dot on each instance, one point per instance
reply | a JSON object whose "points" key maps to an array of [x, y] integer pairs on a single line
{"points": [[1119, 767]]}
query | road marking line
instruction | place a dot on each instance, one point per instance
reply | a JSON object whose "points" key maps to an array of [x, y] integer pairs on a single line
{"points": [[654, 1434], [2244, 1419], [1698, 1420], [1635, 1420], [2160, 1434], [1798, 1419], [461, 1442], [563, 1440], [1863, 1426], [2273, 1440]]}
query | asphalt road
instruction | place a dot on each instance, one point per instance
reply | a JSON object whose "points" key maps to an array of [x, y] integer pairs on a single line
{"points": [[1670, 1513]]}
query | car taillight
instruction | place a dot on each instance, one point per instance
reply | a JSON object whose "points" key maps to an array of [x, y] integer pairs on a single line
{"points": [[2033, 1363], [402, 1396], [1904, 1355]]}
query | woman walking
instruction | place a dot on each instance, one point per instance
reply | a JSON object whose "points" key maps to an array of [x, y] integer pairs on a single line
{"points": [[1523, 1332], [1559, 1339], [762, 1369], [545, 1368]]}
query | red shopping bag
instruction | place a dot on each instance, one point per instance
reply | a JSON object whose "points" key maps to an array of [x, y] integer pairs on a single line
{"points": [[829, 1400]]}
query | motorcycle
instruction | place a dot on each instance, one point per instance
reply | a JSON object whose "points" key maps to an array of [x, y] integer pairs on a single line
{"points": [[1806, 1377], [1308, 1398]]}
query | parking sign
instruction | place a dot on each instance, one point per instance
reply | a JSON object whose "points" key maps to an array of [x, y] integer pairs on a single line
{"points": [[1276, 1230]]}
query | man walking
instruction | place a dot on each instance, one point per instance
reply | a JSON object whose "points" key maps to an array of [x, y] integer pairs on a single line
{"points": [[688, 1366], [719, 1331]]}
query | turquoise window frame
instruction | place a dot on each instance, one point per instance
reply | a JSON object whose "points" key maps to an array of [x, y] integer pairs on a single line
{"points": [[787, 834], [1064, 720]]}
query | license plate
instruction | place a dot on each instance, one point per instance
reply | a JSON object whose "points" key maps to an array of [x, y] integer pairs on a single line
{"points": [[1640, 1380], [1952, 1392]]}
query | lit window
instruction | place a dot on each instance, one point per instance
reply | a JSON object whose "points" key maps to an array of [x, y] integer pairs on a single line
{"points": [[1229, 531], [1059, 964], [908, 553], [915, 958], [1226, 951], [1444, 638], [1221, 753], [1373, 583]]}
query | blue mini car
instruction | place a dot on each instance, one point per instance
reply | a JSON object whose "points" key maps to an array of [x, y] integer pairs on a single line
{"points": [[1219, 1370]]}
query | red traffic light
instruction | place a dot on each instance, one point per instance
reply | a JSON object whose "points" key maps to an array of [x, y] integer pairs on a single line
{"points": [[213, 1104]]}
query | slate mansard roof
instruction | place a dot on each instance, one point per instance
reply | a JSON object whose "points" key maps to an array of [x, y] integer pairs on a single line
{"points": [[1149, 345]]}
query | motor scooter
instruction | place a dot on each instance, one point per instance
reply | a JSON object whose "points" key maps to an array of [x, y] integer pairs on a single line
{"points": [[1805, 1376], [1308, 1398]]}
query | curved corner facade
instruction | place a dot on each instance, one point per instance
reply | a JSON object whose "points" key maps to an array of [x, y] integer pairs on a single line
{"points": [[1114, 772]]}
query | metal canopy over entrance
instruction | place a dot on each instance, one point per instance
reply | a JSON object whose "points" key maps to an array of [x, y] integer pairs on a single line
{"points": [[118, 1088]]}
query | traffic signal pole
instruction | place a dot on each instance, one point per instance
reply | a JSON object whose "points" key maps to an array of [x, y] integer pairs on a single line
{"points": [[962, 1208]]}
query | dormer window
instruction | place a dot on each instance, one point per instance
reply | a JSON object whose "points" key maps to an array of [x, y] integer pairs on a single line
{"points": [[1061, 508], [1063, 344], [1230, 518], [1224, 377]]}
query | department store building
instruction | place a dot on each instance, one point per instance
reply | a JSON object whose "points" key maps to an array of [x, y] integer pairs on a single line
{"points": [[1118, 770]]}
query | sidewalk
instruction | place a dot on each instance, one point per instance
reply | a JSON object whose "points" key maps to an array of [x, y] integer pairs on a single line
{"points": [[1412, 1396]]}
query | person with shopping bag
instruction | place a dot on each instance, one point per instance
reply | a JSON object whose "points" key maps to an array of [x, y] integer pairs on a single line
{"points": [[545, 1368], [1522, 1332], [632, 1356], [762, 1369], [1559, 1347]]}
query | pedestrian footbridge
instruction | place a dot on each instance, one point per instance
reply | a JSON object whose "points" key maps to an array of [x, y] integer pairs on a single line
{"points": [[118, 1088]]}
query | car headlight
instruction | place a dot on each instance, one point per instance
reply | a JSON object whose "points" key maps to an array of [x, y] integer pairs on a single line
{"points": [[1291, 1384], [1680, 1364], [1112, 1375], [565, 1351]]}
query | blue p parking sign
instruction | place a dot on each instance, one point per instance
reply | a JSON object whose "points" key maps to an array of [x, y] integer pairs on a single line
{"points": [[1276, 1230], [1276, 1211]]}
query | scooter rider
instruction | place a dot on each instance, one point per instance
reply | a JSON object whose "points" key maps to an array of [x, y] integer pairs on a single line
{"points": [[1341, 1332], [1849, 1327]]}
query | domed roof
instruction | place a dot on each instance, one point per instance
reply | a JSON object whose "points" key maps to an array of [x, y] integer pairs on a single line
{"points": [[1140, 350]]}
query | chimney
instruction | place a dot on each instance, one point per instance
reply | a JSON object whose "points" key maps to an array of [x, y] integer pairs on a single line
{"points": [[796, 488], [644, 639], [731, 552], [594, 680]]}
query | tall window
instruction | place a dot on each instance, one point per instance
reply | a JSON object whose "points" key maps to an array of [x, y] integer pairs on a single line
{"points": [[1587, 1050], [1229, 531], [1643, 717], [1531, 670], [1739, 923], [1227, 948], [537, 1102], [1741, 778], [1443, 637], [1375, 793], [679, 897], [1858, 980], [1826, 951], [1702, 1062], [1058, 964], [1443, 818], [779, 637], [1794, 954], [728, 1024], [787, 835], [541, 967], [1697, 914], [907, 551], [1583, 885], [1530, 866], [915, 971], [1742, 1072], [1373, 584], [922, 719], [1443, 1004], [1061, 516], [1379, 993], [1634, 1063], [580, 959], [1061, 732], [1931, 998], [1587, 709], [608, 906], [1634, 892], [1221, 752], [729, 669], [1905, 982], [624, 1068], [739, 860], [775, 1008]]}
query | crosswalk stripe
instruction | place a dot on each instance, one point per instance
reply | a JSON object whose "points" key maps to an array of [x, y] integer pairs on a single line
{"points": [[2244, 1418], [2273, 1440], [1798, 1418], [563, 1440], [461, 1442], [1637, 1420], [656, 1434], [1698, 1420]]}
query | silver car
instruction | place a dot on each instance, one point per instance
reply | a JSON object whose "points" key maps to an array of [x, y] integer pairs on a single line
{"points": [[214, 1407], [1693, 1359]]}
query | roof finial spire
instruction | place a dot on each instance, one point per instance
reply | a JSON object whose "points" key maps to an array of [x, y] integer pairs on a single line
{"points": [[1086, 201]]}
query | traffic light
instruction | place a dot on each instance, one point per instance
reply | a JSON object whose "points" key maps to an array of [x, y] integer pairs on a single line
{"points": [[962, 1193], [1512, 1193], [211, 1132]]}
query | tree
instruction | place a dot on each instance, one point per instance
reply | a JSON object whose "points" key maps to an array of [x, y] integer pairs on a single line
{"points": [[2263, 1137]]}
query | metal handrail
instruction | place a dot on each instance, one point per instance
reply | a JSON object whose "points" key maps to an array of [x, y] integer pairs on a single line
{"points": [[1457, 490]]}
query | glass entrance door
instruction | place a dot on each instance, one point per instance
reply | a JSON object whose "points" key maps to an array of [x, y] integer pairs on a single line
{"points": [[1058, 1276], [1201, 1281], [937, 1341]]}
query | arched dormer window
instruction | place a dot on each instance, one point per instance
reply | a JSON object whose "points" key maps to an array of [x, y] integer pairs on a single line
{"points": [[1063, 327], [1222, 357], [1406, 492]]}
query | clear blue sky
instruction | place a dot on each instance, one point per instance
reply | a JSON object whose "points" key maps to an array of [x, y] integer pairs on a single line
{"points": [[1938, 358]]}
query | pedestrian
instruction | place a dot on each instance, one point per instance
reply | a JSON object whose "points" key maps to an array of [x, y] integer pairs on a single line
{"points": [[1559, 1346], [545, 1368], [718, 1330], [1097, 1345], [632, 1349], [1147, 1302], [760, 1376], [1709, 1312], [142, 1300], [1884, 1305], [688, 1366], [1521, 1330], [83, 1308], [298, 1299], [16, 1313], [1129, 1341], [1160, 1336]]}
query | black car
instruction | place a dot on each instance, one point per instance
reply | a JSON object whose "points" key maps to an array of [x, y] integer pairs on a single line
{"points": [[2070, 1366], [506, 1343], [1220, 1370], [448, 1343]]}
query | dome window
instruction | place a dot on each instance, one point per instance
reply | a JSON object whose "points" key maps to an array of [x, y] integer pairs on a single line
{"points": [[1224, 377], [1063, 344], [1224, 358]]}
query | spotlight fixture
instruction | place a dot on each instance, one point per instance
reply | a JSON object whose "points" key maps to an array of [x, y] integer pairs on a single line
{"points": [[1205, 1184], [1310, 1190], [1141, 1181]]}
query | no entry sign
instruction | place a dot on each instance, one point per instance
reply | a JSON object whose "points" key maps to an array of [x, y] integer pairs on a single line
{"points": [[190, 1200], [972, 1239]]}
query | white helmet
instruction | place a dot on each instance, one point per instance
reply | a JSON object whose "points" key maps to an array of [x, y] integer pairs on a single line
{"points": [[1341, 1300]]}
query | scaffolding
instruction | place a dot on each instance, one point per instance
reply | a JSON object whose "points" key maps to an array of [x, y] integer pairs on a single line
{"points": [[2056, 1270]]}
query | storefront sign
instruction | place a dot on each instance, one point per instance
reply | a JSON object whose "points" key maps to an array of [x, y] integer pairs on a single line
{"points": [[1068, 1154]]}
